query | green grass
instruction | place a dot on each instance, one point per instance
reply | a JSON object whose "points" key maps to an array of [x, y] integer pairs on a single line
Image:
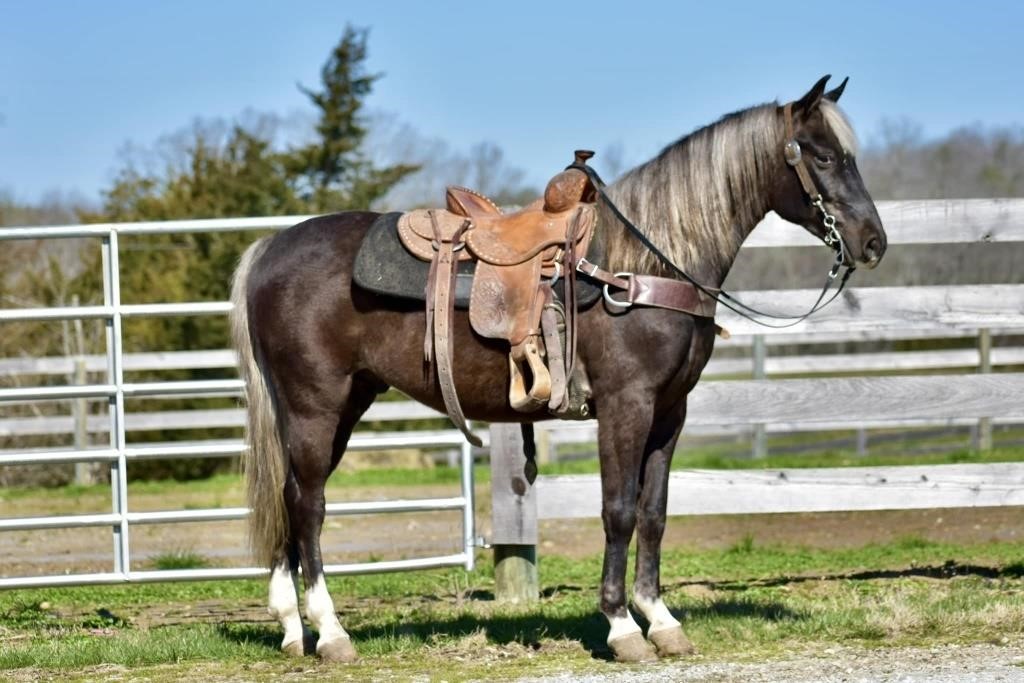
{"points": [[749, 601], [180, 559]]}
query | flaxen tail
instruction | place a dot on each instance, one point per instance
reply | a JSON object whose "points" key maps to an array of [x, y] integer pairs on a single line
{"points": [[264, 464]]}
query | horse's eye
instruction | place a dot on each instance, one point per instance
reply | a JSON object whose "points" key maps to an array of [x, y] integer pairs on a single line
{"points": [[824, 159]]}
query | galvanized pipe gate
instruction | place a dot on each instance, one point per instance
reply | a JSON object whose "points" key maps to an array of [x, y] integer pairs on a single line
{"points": [[119, 453]]}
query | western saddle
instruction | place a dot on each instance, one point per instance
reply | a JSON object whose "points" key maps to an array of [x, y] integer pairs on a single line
{"points": [[519, 256]]}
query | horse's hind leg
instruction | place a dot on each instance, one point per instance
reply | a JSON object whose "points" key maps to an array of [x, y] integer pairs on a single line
{"points": [[665, 630], [316, 441], [283, 602]]}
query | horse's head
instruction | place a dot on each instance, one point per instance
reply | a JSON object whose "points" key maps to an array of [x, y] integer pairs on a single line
{"points": [[819, 185]]}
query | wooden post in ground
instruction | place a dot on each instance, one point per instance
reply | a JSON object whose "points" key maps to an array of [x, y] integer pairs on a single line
{"points": [[514, 519], [984, 367], [545, 453], [758, 353], [79, 409], [85, 472]]}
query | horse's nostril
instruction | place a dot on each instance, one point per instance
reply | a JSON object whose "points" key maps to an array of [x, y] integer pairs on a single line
{"points": [[872, 249]]}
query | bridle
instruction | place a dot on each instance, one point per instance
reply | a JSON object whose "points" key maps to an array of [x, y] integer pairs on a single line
{"points": [[794, 157], [832, 238]]}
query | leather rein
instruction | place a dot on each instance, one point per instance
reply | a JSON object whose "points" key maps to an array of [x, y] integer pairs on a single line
{"points": [[649, 290]]}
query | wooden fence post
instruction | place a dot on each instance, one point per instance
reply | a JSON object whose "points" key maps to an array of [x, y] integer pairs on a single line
{"points": [[79, 409], [85, 472], [758, 353], [546, 454], [513, 518], [984, 367]]}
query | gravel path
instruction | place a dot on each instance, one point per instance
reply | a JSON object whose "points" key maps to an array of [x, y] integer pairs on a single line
{"points": [[947, 664]]}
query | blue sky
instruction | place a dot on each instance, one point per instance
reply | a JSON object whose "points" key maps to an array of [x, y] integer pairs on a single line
{"points": [[80, 79]]}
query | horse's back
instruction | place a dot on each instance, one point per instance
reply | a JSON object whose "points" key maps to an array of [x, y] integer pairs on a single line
{"points": [[310, 245]]}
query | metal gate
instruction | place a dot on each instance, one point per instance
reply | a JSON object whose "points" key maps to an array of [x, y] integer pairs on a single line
{"points": [[121, 519]]}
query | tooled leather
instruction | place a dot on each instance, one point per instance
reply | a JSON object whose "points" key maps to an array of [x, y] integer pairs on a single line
{"points": [[443, 342], [501, 240], [514, 239], [503, 300], [466, 202]]}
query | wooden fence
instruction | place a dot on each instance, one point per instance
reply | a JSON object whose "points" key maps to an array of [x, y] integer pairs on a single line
{"points": [[553, 434]]}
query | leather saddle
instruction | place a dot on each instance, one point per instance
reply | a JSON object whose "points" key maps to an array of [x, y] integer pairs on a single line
{"points": [[518, 256]]}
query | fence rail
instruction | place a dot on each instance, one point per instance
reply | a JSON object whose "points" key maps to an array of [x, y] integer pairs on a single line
{"points": [[729, 492]]}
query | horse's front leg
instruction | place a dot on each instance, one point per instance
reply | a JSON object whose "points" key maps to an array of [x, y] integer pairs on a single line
{"points": [[621, 441], [665, 631]]}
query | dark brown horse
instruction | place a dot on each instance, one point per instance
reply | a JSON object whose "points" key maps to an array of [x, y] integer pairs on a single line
{"points": [[316, 350]]}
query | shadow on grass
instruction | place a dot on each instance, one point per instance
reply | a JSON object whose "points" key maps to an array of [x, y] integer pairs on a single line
{"points": [[251, 634], [741, 609], [529, 628], [947, 570], [524, 629]]}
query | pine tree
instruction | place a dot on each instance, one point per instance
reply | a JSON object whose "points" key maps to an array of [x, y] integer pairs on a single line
{"points": [[333, 173]]}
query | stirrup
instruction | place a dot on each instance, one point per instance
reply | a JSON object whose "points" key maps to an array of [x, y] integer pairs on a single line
{"points": [[540, 391]]}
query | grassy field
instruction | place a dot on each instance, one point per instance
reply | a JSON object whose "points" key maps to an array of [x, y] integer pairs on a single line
{"points": [[743, 602], [749, 601]]}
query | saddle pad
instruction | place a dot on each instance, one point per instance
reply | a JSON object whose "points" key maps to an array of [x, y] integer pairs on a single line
{"points": [[384, 266]]}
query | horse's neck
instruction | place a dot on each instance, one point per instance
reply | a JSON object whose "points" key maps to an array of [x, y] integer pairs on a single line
{"points": [[714, 274], [699, 200], [706, 258]]}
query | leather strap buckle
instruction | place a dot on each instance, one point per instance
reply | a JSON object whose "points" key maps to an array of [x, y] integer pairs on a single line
{"points": [[615, 302]]}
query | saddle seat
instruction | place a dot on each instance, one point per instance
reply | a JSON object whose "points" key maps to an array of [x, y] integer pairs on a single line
{"points": [[518, 257], [497, 238]]}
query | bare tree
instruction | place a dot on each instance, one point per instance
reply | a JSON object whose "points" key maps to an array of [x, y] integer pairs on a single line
{"points": [[483, 167], [968, 162]]}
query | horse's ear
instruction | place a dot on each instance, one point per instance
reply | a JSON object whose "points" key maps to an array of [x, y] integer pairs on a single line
{"points": [[834, 94], [808, 102]]}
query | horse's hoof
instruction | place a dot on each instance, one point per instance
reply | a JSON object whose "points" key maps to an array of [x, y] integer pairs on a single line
{"points": [[294, 648], [337, 650], [671, 642], [632, 648]]}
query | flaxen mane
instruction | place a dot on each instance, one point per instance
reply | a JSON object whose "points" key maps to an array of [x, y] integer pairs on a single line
{"points": [[717, 184]]}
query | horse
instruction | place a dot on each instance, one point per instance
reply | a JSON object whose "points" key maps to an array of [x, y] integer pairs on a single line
{"points": [[316, 349]]}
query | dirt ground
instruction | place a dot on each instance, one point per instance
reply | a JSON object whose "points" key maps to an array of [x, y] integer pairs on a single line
{"points": [[580, 538], [983, 663]]}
